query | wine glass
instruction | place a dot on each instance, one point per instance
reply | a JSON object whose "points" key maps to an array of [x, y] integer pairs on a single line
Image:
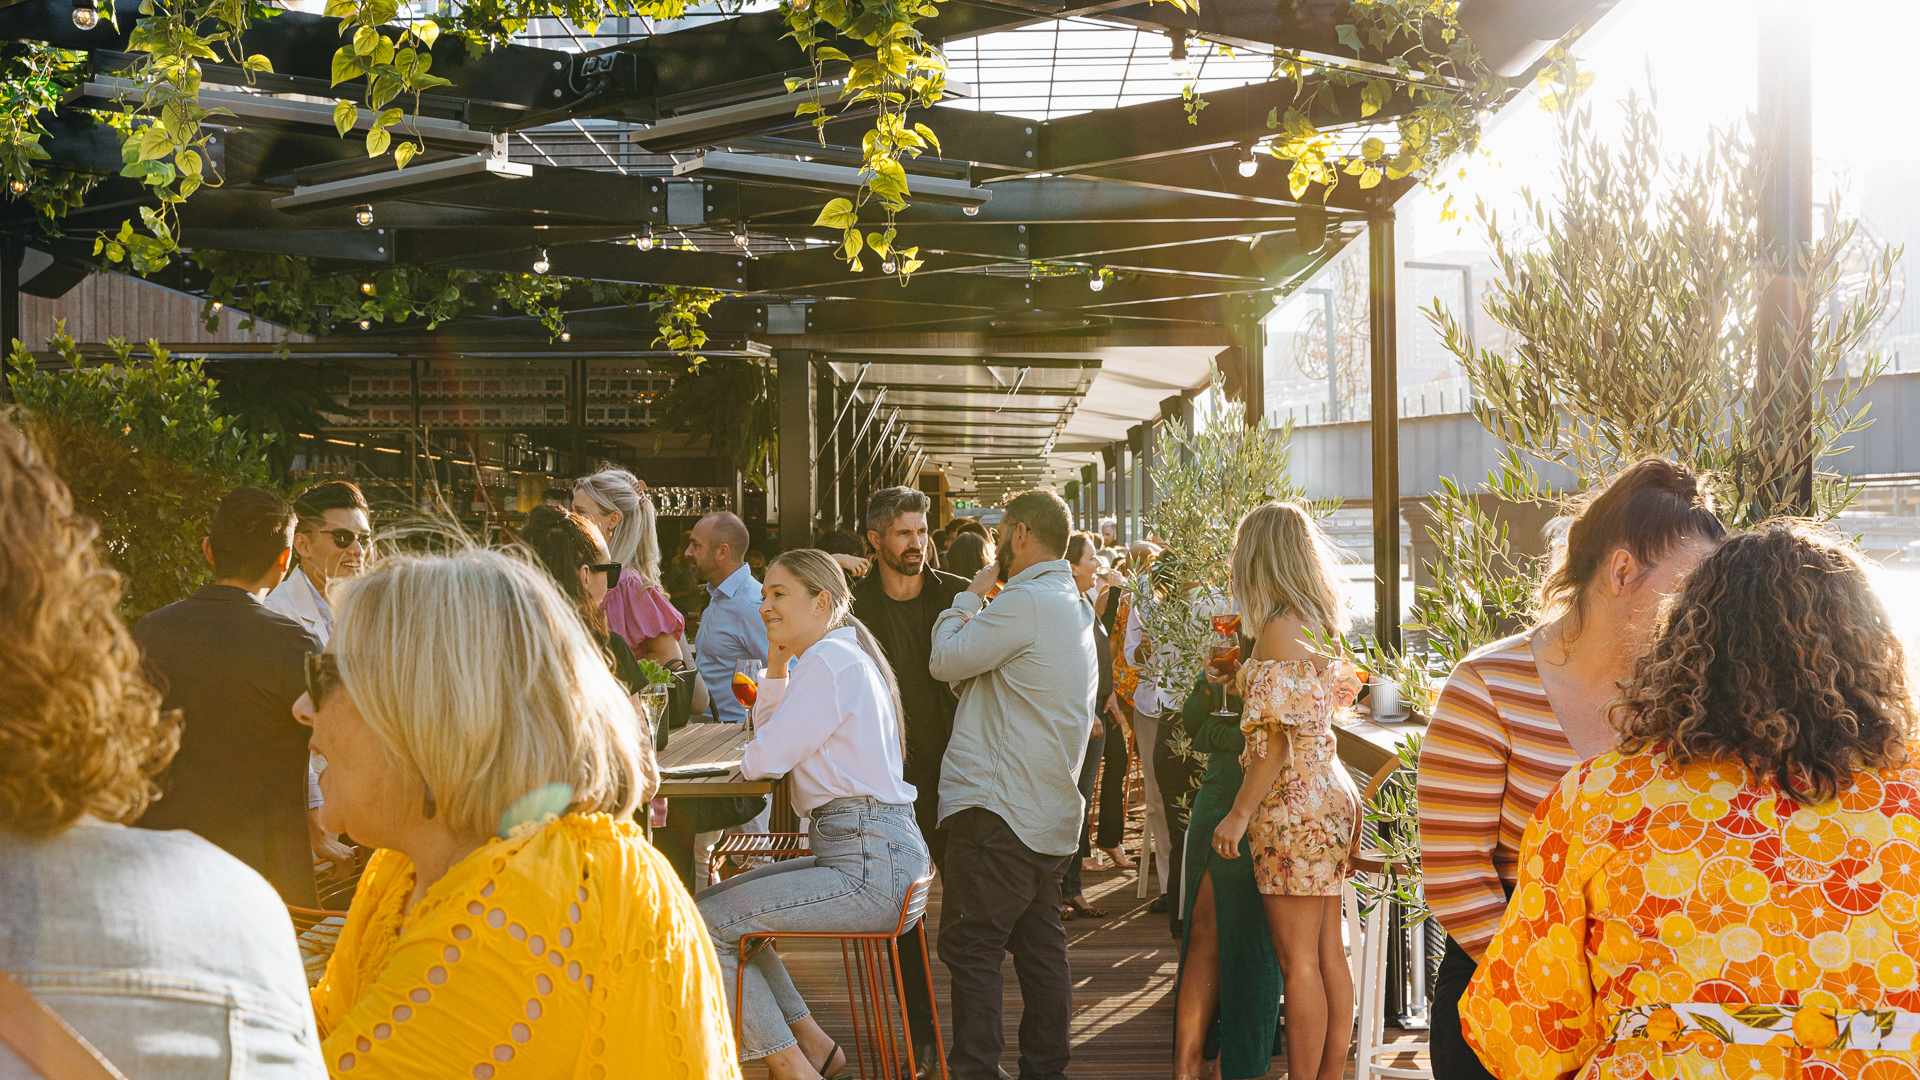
{"points": [[746, 686], [1223, 659]]}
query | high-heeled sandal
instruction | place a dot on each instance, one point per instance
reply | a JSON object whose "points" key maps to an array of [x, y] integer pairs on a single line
{"points": [[843, 1073]]}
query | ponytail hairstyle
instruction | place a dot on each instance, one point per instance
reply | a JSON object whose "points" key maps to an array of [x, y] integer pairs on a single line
{"points": [[635, 543], [816, 572], [563, 542], [1647, 508]]}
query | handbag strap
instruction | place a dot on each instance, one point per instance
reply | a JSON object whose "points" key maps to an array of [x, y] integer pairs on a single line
{"points": [[44, 1041]]}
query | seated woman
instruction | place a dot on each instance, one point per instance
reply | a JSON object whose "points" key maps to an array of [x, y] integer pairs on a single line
{"points": [[171, 958], [828, 718], [514, 918], [637, 606], [1296, 805], [1735, 891], [571, 551]]}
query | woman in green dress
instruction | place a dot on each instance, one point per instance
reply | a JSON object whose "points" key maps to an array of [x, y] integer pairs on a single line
{"points": [[1226, 942]]}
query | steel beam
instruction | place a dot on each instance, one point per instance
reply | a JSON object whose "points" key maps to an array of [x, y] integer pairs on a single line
{"points": [[1383, 331]]}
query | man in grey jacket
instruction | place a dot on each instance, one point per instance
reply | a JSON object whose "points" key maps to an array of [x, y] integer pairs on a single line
{"points": [[1010, 802]]}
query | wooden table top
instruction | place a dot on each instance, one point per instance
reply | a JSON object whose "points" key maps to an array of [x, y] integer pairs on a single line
{"points": [[699, 744], [1370, 744]]}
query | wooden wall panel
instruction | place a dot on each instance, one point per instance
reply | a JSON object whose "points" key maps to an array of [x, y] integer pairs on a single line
{"points": [[107, 305]]}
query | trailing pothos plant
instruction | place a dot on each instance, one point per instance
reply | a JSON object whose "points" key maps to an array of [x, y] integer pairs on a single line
{"points": [[906, 71]]}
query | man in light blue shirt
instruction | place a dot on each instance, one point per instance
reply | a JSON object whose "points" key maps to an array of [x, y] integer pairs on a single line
{"points": [[1010, 803], [730, 627]]}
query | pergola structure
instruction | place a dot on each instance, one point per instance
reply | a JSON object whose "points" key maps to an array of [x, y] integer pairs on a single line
{"points": [[997, 365]]}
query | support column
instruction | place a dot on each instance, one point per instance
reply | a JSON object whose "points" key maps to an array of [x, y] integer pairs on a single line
{"points": [[794, 371], [1110, 458], [414, 447], [1090, 498], [578, 416], [1382, 318], [1123, 493], [1140, 447], [1784, 382], [12, 251], [826, 448]]}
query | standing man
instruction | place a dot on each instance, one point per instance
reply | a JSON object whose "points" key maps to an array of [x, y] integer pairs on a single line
{"points": [[234, 669], [730, 627], [1009, 788], [333, 536], [899, 602]]}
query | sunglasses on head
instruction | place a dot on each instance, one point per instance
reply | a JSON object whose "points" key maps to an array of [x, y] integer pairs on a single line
{"points": [[611, 569], [323, 675], [346, 538]]}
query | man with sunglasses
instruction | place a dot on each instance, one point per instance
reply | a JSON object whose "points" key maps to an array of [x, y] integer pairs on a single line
{"points": [[333, 537]]}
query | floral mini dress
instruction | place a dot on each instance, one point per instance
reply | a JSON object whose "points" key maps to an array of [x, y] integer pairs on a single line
{"points": [[1304, 828]]}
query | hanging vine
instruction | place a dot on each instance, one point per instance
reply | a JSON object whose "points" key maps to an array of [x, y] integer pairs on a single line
{"points": [[678, 311]]}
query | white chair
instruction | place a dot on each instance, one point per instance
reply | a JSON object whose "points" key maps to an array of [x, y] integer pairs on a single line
{"points": [[1368, 962]]}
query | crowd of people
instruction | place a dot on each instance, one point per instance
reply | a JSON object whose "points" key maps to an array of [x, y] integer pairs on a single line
{"points": [[1671, 827]]}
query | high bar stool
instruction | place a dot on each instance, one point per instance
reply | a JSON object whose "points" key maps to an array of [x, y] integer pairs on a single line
{"points": [[1368, 962], [876, 951]]}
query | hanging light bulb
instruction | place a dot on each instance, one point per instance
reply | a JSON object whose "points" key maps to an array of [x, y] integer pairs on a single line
{"points": [[645, 240], [1185, 68], [1095, 282], [1250, 164], [215, 307], [741, 240], [366, 288], [363, 215], [366, 324], [85, 15], [971, 211], [541, 264], [888, 266], [17, 186], [566, 336]]}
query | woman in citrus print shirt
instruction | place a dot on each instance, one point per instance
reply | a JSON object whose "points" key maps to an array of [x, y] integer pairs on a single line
{"points": [[1735, 892]]}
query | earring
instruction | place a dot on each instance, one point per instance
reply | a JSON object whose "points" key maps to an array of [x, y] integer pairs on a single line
{"points": [[428, 807]]}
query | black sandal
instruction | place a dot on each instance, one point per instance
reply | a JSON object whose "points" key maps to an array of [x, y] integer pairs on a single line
{"points": [[1083, 910], [842, 1073]]}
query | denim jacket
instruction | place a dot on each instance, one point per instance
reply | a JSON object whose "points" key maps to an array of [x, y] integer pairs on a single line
{"points": [[167, 954]]}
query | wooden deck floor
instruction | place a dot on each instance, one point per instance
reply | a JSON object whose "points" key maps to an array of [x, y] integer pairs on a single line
{"points": [[1123, 972]]}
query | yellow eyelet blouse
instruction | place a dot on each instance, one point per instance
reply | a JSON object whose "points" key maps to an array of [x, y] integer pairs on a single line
{"points": [[568, 951]]}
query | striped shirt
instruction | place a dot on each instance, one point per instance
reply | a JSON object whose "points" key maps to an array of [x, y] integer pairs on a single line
{"points": [[1493, 752]]}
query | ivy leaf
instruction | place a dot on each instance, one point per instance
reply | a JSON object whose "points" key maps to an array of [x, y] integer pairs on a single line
{"points": [[1373, 96], [1298, 179], [1370, 178], [346, 66], [1349, 35], [837, 214], [366, 40], [827, 52], [378, 140], [344, 115], [926, 133], [257, 63], [390, 117], [342, 9], [427, 31], [404, 153]]}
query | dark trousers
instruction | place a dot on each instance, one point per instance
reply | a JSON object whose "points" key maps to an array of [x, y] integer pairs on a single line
{"points": [[1003, 897], [1453, 1059], [1089, 768], [1175, 776], [913, 947], [1113, 785]]}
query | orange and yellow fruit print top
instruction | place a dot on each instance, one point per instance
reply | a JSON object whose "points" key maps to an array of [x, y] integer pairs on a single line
{"points": [[1693, 921]]}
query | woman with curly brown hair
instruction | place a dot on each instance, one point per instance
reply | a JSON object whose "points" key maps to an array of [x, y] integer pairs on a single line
{"points": [[169, 956], [1735, 891]]}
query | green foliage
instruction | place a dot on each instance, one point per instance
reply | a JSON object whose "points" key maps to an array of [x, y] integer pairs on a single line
{"points": [[679, 310], [733, 403], [148, 451], [1637, 320], [1409, 52], [1391, 825], [1204, 482], [37, 78], [906, 71]]}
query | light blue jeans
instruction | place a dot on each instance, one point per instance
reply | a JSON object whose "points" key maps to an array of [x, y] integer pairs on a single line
{"points": [[866, 854]]}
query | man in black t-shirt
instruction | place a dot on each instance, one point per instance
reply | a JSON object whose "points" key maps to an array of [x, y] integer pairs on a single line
{"points": [[899, 599]]}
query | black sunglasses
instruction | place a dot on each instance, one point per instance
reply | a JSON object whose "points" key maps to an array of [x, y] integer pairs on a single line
{"points": [[611, 569], [323, 675], [345, 538]]}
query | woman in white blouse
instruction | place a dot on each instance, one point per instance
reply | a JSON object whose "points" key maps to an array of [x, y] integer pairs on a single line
{"points": [[828, 718]]}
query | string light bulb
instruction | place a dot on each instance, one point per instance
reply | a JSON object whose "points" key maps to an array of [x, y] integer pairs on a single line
{"points": [[888, 266], [1184, 67], [645, 240], [366, 288], [363, 215], [741, 240], [215, 307], [17, 186], [541, 264], [566, 336], [85, 15], [1096, 283], [366, 324], [1250, 164], [971, 211]]}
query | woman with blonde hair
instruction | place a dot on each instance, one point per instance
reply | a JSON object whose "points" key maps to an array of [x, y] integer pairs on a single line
{"points": [[515, 919], [637, 606], [1735, 890], [1296, 804], [170, 957], [828, 718]]}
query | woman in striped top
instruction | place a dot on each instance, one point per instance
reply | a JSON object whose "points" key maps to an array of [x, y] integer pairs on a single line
{"points": [[1518, 714]]}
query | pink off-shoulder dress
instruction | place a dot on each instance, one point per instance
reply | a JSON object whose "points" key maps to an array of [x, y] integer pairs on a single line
{"points": [[1304, 828], [639, 611]]}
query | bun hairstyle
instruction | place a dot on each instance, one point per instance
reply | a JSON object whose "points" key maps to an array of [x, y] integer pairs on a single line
{"points": [[1646, 509], [816, 572], [635, 543]]}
